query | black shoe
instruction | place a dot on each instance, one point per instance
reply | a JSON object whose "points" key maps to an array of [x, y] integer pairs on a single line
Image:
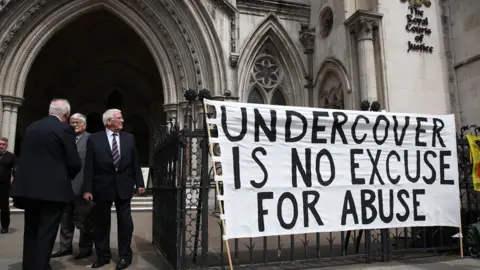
{"points": [[4, 231], [122, 264], [99, 264], [62, 254], [83, 255]]}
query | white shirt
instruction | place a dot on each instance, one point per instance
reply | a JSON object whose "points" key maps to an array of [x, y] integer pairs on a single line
{"points": [[110, 140]]}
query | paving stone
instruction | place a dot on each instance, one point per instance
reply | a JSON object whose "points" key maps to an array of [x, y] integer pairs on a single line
{"points": [[145, 255]]}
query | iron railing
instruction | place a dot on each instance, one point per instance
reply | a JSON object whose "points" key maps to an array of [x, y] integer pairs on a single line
{"points": [[187, 231]]}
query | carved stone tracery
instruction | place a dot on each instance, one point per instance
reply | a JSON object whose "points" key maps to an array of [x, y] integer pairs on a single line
{"points": [[267, 72], [267, 77], [332, 98]]}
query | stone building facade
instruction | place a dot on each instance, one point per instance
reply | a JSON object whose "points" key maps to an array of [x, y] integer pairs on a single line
{"points": [[141, 55]]}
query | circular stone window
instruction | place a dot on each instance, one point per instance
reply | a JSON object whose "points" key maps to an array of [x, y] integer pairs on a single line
{"points": [[326, 22]]}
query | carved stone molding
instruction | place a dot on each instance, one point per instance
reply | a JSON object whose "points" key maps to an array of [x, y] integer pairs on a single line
{"points": [[13, 31], [231, 11], [233, 33], [138, 5], [4, 3], [307, 38], [234, 59], [12, 101], [226, 7], [362, 23], [171, 110], [287, 9], [186, 34]]}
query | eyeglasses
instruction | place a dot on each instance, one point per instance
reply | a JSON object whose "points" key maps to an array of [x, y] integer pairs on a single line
{"points": [[76, 123], [118, 118]]}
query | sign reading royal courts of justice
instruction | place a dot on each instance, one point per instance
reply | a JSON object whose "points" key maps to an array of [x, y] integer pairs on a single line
{"points": [[418, 25], [292, 170]]}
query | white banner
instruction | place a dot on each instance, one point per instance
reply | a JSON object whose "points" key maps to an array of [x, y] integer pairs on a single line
{"points": [[291, 170]]}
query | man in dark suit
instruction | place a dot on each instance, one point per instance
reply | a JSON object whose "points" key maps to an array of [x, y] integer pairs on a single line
{"points": [[112, 171], [8, 163], [42, 186], [79, 122]]}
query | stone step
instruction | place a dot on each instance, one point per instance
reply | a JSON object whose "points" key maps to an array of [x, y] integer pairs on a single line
{"points": [[139, 204]]}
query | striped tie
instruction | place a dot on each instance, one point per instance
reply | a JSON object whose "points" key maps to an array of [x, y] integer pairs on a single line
{"points": [[115, 153]]}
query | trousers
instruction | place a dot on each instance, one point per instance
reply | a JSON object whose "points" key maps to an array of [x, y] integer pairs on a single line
{"points": [[4, 205], [67, 230]]}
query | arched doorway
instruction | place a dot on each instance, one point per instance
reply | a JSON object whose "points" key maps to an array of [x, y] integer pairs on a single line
{"points": [[97, 62], [180, 36]]}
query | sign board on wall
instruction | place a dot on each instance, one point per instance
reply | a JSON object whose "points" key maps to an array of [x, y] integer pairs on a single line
{"points": [[418, 24], [291, 170]]}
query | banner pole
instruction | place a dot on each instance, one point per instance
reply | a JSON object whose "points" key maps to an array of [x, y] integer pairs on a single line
{"points": [[217, 188], [461, 240]]}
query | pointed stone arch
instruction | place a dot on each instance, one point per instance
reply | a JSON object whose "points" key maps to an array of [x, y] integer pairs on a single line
{"points": [[205, 27], [271, 40], [254, 90], [186, 54], [18, 61], [332, 86]]}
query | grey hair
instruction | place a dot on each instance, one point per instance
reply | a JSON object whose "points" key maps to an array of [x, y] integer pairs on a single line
{"points": [[79, 116], [59, 107], [108, 114]]}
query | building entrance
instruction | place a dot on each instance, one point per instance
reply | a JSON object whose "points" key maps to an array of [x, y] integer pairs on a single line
{"points": [[97, 62]]}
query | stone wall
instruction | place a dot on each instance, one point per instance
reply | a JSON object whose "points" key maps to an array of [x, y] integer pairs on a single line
{"points": [[416, 82], [464, 17]]}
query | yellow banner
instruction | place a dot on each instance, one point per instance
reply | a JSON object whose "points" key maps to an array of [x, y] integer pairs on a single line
{"points": [[474, 143]]}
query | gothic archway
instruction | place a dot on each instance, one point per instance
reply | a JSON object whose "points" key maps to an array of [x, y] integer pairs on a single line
{"points": [[270, 62], [187, 53], [97, 62], [332, 87]]}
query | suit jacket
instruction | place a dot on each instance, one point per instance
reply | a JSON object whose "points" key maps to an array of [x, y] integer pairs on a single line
{"points": [[100, 177], [8, 165], [48, 161], [77, 183]]}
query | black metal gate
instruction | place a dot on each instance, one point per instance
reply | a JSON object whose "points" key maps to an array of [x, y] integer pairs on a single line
{"points": [[187, 231]]}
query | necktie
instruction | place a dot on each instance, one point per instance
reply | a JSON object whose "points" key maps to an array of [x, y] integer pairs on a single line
{"points": [[76, 139], [115, 152]]}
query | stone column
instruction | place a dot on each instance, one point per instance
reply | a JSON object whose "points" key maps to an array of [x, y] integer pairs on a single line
{"points": [[183, 115], [9, 121], [307, 38], [362, 25], [171, 110]]}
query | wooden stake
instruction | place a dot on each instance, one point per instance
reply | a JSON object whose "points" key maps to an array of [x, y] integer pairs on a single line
{"points": [[217, 188], [461, 240], [461, 230]]}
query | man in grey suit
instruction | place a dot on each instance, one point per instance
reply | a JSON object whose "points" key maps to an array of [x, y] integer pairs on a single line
{"points": [[67, 229]]}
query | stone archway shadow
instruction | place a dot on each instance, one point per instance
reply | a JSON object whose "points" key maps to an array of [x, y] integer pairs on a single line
{"points": [[188, 54]]}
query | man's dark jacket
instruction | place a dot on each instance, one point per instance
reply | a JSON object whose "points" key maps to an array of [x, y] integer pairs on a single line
{"points": [[100, 177], [49, 161]]}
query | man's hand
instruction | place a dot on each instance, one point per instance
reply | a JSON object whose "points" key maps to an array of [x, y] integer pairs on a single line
{"points": [[87, 196], [140, 191]]}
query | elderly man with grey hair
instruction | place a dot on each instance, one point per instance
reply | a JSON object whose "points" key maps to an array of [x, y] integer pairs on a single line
{"points": [[112, 171], [43, 181], [79, 122]]}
